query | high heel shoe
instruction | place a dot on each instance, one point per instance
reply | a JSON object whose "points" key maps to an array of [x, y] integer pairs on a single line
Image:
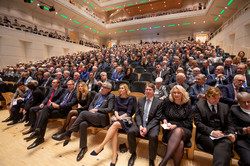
{"points": [[93, 153], [113, 164]]}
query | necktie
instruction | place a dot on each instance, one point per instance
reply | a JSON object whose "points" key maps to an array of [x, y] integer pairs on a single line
{"points": [[213, 109], [46, 82], [145, 116], [202, 89], [158, 75], [28, 96], [228, 71], [66, 98], [206, 71], [48, 103]]}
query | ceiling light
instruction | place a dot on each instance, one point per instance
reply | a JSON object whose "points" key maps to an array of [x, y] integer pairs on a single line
{"points": [[194, 22], [178, 24], [225, 7], [56, 13], [219, 15], [204, 21], [164, 26], [38, 4]]}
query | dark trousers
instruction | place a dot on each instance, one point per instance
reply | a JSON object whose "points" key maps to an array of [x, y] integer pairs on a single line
{"points": [[152, 136], [32, 115], [221, 149], [15, 109], [83, 121], [244, 154], [43, 116]]}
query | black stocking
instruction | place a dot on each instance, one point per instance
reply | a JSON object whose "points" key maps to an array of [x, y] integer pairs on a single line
{"points": [[70, 115]]}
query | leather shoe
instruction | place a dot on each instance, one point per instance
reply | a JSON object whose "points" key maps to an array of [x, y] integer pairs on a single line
{"points": [[151, 163], [28, 131], [60, 137], [23, 119], [33, 135], [7, 119], [81, 154], [12, 123], [37, 142], [131, 161]]}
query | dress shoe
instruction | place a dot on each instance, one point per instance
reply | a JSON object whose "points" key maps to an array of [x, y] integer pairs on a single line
{"points": [[81, 154], [33, 135], [151, 163], [23, 119], [37, 142], [63, 136], [131, 161], [93, 153], [28, 131], [113, 164], [12, 123], [28, 124], [7, 120]]}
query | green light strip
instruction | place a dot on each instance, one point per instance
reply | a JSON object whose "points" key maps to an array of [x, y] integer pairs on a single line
{"points": [[131, 30], [229, 3], [142, 1], [216, 18], [222, 11], [108, 9], [171, 25], [63, 16], [157, 27], [76, 22], [120, 31], [144, 28], [94, 30], [85, 0], [85, 26], [46, 8], [186, 23], [130, 4], [101, 33], [118, 7], [31, 1], [91, 5]]}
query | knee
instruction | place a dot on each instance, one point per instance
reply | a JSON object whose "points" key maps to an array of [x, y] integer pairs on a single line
{"points": [[116, 125], [73, 118], [153, 136], [181, 145], [178, 131], [83, 125]]}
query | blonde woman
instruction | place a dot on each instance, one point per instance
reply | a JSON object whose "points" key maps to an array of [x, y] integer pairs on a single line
{"points": [[123, 109], [177, 111], [84, 99]]}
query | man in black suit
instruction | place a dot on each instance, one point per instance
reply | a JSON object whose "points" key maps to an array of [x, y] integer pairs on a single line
{"points": [[240, 115], [97, 115], [206, 68], [242, 69], [215, 128], [180, 80], [58, 109], [160, 73], [54, 94], [77, 79], [176, 65], [66, 78], [147, 117], [47, 80], [230, 91], [229, 69], [218, 78]]}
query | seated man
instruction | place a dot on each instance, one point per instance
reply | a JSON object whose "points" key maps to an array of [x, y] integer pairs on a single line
{"points": [[214, 126], [147, 117], [117, 75], [160, 73], [240, 115], [180, 80], [58, 109], [97, 115], [218, 78]]}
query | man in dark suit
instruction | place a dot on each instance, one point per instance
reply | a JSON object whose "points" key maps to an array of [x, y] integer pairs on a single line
{"points": [[215, 128], [206, 68], [47, 80], [58, 109], [230, 91], [180, 80], [66, 78], [229, 69], [218, 78], [54, 94], [242, 69], [176, 65], [97, 115], [160, 73], [77, 79], [197, 91], [147, 117], [240, 115]]}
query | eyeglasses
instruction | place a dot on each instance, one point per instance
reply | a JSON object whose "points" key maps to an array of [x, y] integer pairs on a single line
{"points": [[241, 80], [54, 82], [105, 87]]}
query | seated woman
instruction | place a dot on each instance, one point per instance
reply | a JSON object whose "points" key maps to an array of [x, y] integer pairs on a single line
{"points": [[123, 108], [241, 117], [177, 111], [92, 82], [84, 98], [127, 76]]}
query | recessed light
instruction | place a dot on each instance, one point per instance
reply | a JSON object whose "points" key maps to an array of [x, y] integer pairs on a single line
{"points": [[149, 27], [38, 4], [225, 7], [164, 26], [56, 13], [70, 19], [152, 8], [138, 7], [178, 24], [194, 22], [204, 21], [219, 15], [137, 29]]}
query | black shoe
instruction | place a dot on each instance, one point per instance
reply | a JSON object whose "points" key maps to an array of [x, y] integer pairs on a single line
{"points": [[28, 124], [63, 136], [113, 164], [12, 123], [37, 142], [93, 153], [28, 131], [23, 119], [151, 163], [131, 161], [33, 135], [7, 120], [81, 154]]}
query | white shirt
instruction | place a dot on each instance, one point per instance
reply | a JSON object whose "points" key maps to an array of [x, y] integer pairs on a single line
{"points": [[210, 107], [246, 111]]}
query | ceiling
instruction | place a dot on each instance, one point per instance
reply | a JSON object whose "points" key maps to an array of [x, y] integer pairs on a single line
{"points": [[195, 23]]}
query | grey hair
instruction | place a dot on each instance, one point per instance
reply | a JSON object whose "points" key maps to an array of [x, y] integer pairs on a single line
{"points": [[203, 76], [241, 95], [108, 84], [158, 79], [103, 73]]}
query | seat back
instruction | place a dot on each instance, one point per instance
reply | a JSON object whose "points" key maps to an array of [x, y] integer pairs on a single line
{"points": [[121, 82], [150, 69], [146, 77], [139, 69], [138, 86]]}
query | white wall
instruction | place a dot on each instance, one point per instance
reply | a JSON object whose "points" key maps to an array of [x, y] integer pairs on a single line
{"points": [[236, 36], [18, 46]]}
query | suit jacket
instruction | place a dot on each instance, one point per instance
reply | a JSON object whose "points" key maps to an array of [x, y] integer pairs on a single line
{"points": [[114, 77], [247, 79], [173, 68], [47, 82], [233, 70], [164, 76], [194, 91], [72, 100], [105, 108], [37, 98], [184, 85], [211, 80], [154, 115], [211, 70], [64, 82], [241, 120], [202, 121], [58, 93], [228, 94]]}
